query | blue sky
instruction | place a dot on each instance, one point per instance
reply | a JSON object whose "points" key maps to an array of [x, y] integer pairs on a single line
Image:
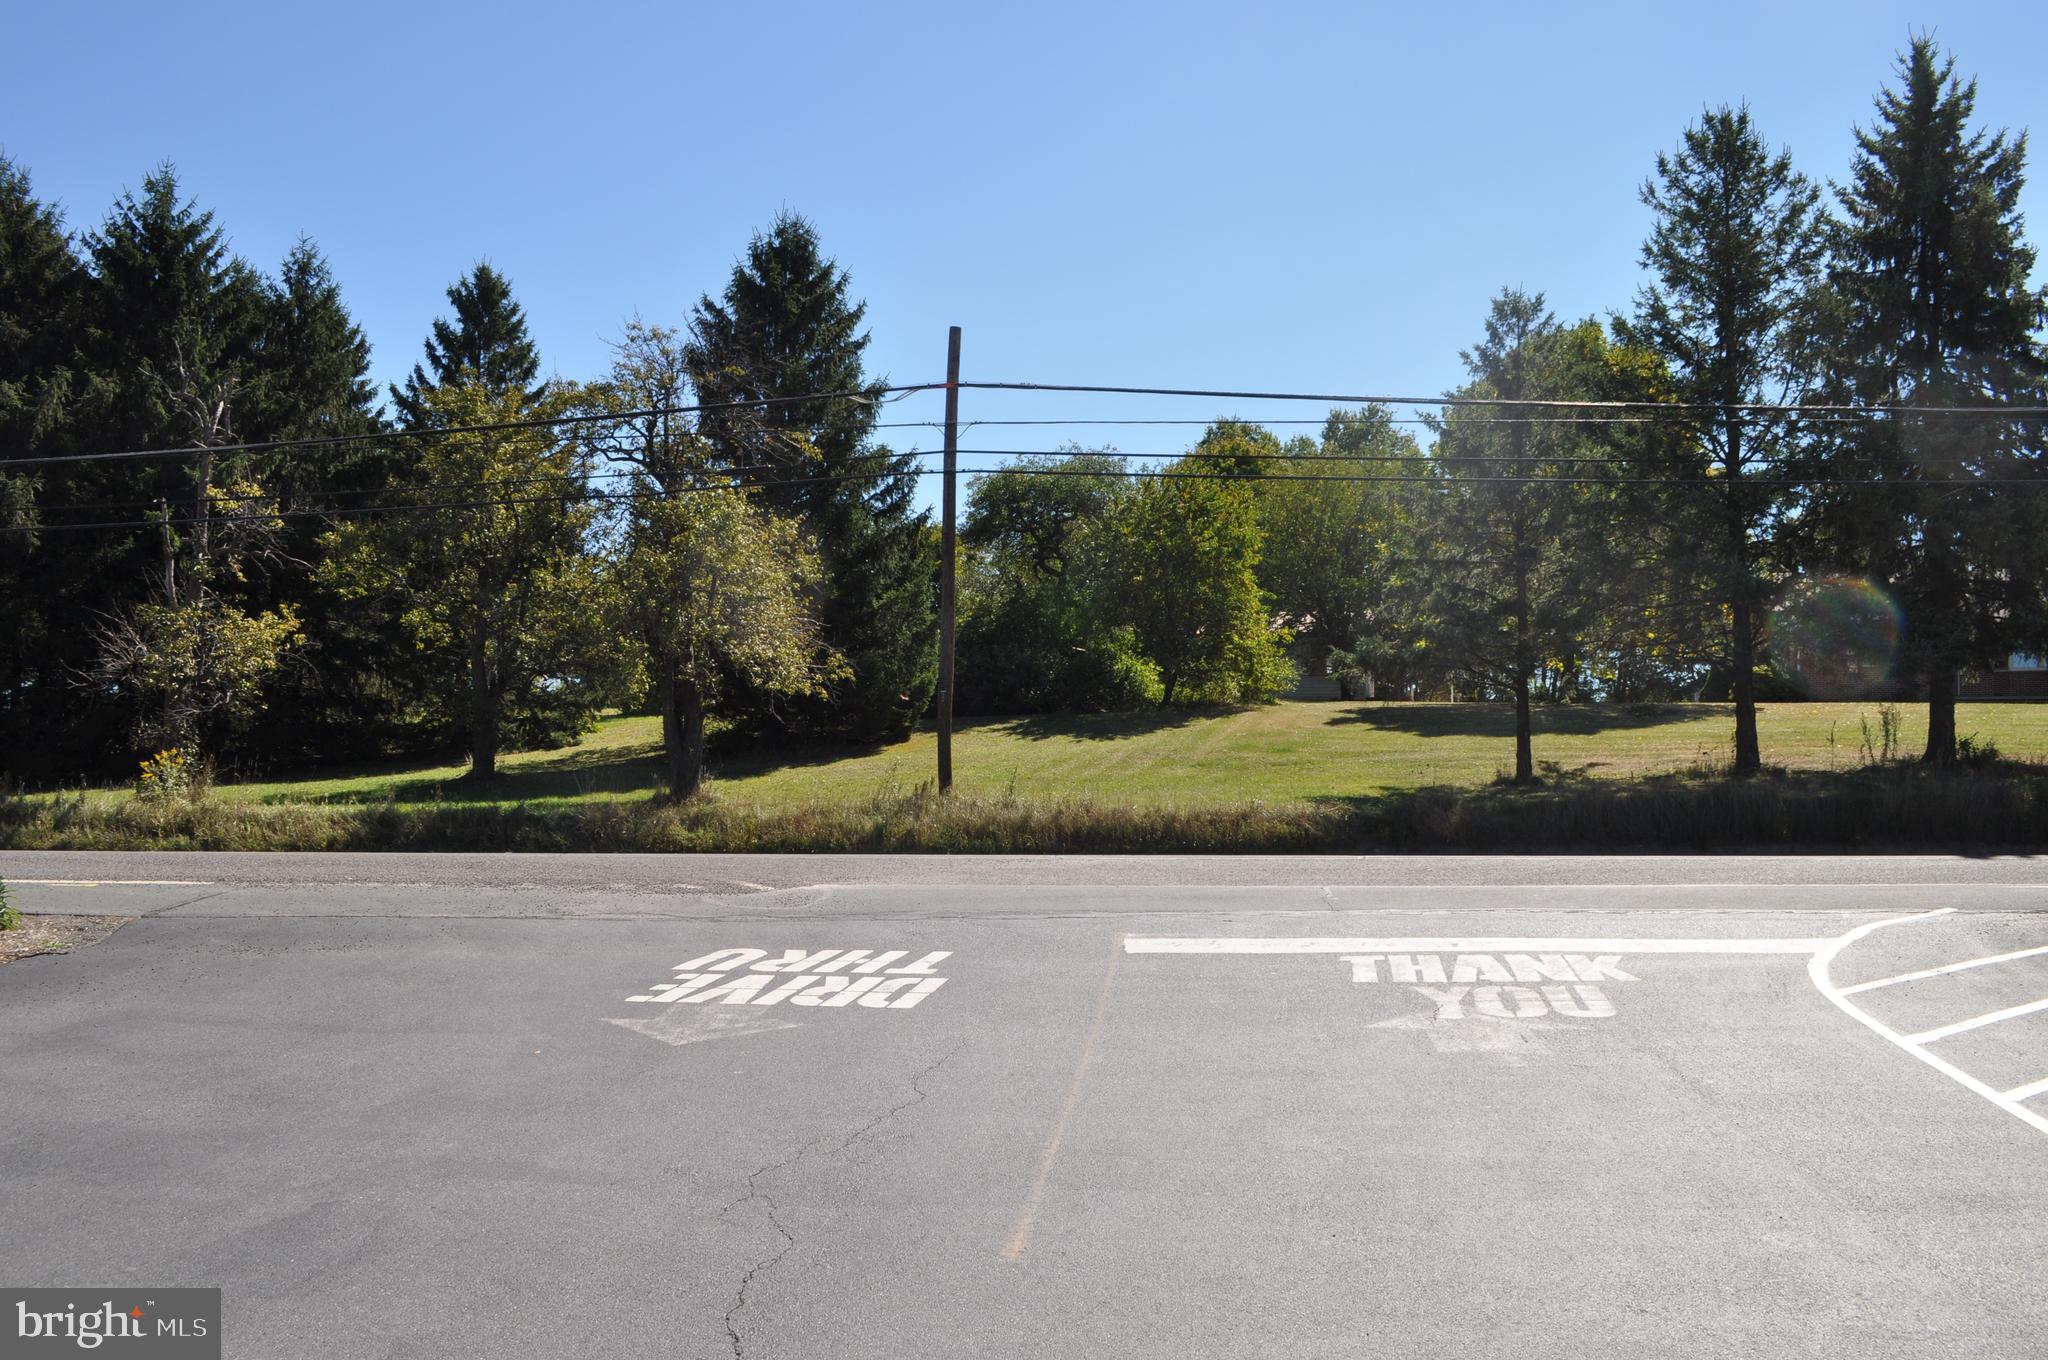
{"points": [[1308, 197]]}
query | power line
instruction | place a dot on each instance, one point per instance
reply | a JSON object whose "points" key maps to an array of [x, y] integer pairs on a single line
{"points": [[318, 493], [1756, 407], [1419, 456], [1652, 410], [419, 507], [895, 393], [1712, 475], [1317, 422], [1442, 482]]}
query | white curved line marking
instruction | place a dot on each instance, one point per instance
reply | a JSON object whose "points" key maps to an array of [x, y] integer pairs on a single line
{"points": [[1817, 969], [1945, 968]]}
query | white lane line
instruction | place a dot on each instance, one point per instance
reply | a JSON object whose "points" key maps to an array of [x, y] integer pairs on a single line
{"points": [[1928, 1036], [1817, 969], [112, 882], [2028, 1091], [1946, 968], [1459, 944]]}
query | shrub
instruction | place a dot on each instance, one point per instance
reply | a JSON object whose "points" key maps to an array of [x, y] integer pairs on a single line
{"points": [[10, 916], [165, 775], [1112, 676], [1977, 753]]}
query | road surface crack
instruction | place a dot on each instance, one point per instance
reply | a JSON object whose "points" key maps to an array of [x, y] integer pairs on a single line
{"points": [[772, 1210]]}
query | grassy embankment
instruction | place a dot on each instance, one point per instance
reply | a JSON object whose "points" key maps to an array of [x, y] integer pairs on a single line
{"points": [[1293, 776]]}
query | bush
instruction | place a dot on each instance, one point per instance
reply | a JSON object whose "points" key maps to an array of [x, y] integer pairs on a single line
{"points": [[10, 916], [166, 775], [1977, 753], [1111, 676]]}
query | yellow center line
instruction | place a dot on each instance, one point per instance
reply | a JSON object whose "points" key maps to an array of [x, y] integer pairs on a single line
{"points": [[1027, 1218]]}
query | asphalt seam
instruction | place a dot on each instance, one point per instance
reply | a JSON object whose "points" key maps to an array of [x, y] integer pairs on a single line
{"points": [[189, 902], [754, 1192]]}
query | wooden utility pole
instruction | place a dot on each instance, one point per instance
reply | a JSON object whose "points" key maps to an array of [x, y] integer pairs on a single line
{"points": [[946, 555]]}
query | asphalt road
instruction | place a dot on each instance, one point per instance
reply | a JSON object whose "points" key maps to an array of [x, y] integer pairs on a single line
{"points": [[535, 1106]]}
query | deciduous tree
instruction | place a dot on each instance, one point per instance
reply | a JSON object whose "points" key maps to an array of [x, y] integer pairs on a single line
{"points": [[717, 590], [486, 561]]}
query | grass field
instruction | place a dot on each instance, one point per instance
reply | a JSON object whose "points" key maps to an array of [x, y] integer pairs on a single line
{"points": [[1293, 752], [1289, 777]]}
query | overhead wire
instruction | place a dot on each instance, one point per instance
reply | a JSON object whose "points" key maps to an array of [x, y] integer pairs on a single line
{"points": [[1446, 482], [885, 394], [1538, 403], [1642, 412]]}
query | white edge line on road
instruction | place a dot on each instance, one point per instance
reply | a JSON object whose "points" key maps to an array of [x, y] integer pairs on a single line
{"points": [[1459, 944], [2027, 1092], [112, 882], [1928, 1036], [1946, 968], [1817, 969]]}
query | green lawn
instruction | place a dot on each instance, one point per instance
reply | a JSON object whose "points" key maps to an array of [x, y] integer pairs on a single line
{"points": [[1285, 753]]}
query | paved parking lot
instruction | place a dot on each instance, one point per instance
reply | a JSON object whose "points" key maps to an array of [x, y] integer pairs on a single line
{"points": [[1398, 1108]]}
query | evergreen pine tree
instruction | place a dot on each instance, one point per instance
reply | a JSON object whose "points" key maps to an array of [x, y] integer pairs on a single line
{"points": [[41, 287], [315, 361], [163, 308], [1508, 528], [1933, 308], [166, 293], [357, 671], [787, 332], [486, 338], [1735, 252]]}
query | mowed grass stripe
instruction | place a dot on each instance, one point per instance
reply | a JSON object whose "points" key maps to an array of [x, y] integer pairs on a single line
{"points": [[1292, 752]]}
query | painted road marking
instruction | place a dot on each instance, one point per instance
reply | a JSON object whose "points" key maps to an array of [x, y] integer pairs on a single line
{"points": [[2028, 1091], [1928, 1036], [1946, 968], [1567, 972], [1817, 968], [1511, 1006], [1458, 944], [1027, 1217], [1567, 983], [817, 979], [803, 977], [676, 1028], [112, 882]]}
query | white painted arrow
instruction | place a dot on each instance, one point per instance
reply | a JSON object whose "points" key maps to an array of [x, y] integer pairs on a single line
{"points": [[1515, 1041], [676, 1027]]}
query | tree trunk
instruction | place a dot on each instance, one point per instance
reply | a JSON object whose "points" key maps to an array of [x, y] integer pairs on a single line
{"points": [[483, 713], [690, 766], [1525, 764], [1169, 681], [671, 730], [1525, 661], [1748, 753], [682, 733], [1941, 717]]}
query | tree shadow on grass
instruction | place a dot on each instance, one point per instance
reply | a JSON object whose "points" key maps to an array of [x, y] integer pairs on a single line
{"points": [[1098, 726], [1498, 720]]}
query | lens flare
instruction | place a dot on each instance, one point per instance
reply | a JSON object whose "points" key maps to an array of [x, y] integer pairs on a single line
{"points": [[1835, 637]]}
